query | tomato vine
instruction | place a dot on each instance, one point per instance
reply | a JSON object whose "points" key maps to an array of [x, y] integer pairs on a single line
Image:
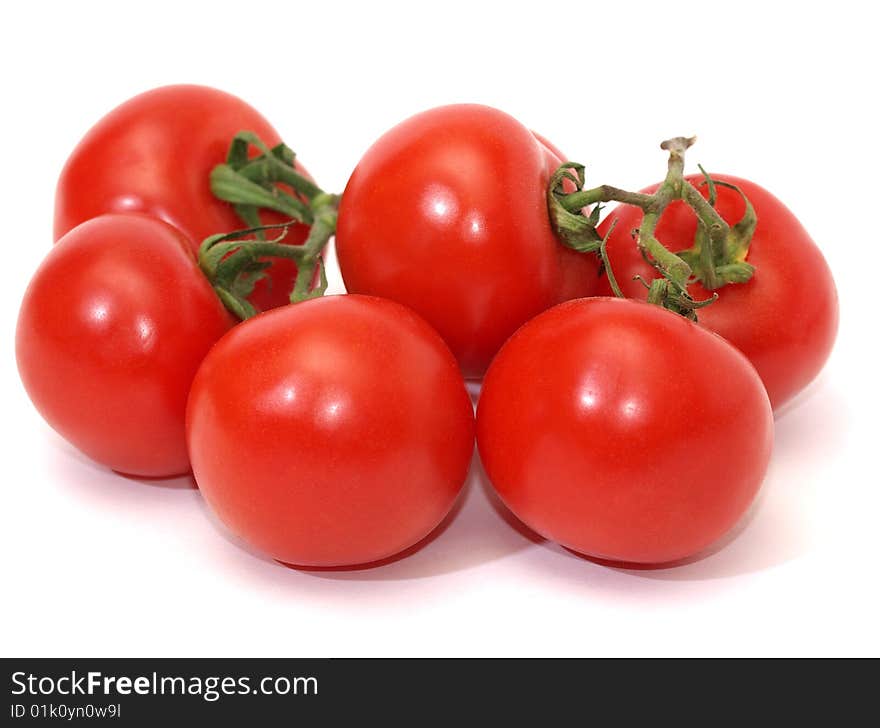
{"points": [[717, 257], [233, 262]]}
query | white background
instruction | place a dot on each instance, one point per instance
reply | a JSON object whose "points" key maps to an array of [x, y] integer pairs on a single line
{"points": [[95, 564]]}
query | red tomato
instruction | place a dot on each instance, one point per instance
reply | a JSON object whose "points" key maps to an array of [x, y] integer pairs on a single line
{"points": [[334, 432], [624, 431], [111, 331], [784, 319], [154, 154], [552, 148], [447, 213]]}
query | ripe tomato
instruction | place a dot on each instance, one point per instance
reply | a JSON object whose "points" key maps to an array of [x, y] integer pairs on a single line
{"points": [[111, 331], [447, 213], [784, 319], [624, 431], [154, 154], [334, 432], [553, 149]]}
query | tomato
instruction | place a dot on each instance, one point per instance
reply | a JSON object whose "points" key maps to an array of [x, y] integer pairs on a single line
{"points": [[154, 154], [447, 213], [624, 431], [333, 432], [111, 331], [784, 319], [553, 149]]}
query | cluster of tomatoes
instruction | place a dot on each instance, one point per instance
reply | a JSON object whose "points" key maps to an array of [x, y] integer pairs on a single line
{"points": [[337, 430]]}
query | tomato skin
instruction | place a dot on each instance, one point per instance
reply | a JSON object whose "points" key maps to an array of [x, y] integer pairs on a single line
{"points": [[623, 431], [447, 214], [784, 319], [154, 154], [334, 432], [111, 331], [556, 152]]}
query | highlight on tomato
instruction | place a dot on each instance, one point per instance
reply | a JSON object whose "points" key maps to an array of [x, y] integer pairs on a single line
{"points": [[333, 432], [447, 214], [623, 431], [155, 154], [112, 328]]}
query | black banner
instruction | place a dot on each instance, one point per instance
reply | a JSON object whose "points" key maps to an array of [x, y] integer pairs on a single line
{"points": [[266, 692]]}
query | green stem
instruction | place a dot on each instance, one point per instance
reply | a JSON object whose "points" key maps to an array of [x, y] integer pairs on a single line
{"points": [[675, 268], [716, 258], [274, 165], [603, 256], [707, 214], [224, 259], [233, 263], [326, 208], [215, 248], [677, 146], [262, 169], [604, 193], [232, 186], [670, 189]]}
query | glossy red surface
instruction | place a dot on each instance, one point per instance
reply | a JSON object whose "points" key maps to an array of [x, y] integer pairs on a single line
{"points": [[624, 431], [112, 328], [154, 154], [332, 432], [447, 213]]}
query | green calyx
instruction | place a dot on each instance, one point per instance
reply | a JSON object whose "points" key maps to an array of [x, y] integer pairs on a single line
{"points": [[718, 254], [576, 229], [235, 261], [251, 184], [716, 259]]}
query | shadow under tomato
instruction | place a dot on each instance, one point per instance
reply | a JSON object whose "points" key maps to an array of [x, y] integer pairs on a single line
{"points": [[66, 453], [801, 399], [480, 529], [815, 423], [473, 387], [133, 499], [179, 482]]}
